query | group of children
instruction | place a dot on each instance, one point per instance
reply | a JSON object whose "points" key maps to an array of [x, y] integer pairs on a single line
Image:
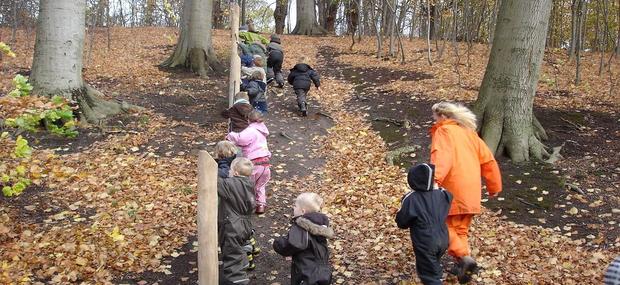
{"points": [[255, 78], [243, 176]]}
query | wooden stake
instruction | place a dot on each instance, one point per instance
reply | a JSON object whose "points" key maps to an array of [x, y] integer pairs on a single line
{"points": [[207, 219], [235, 61]]}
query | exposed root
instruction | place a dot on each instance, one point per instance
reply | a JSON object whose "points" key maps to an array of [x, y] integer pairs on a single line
{"points": [[539, 131], [94, 109], [555, 155], [314, 30], [391, 155]]}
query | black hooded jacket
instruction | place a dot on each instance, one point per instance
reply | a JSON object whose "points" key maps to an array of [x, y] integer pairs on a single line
{"points": [[302, 76], [223, 166], [306, 242], [424, 210]]}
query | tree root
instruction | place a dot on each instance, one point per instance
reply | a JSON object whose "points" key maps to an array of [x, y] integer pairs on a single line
{"points": [[94, 109], [314, 30], [391, 155], [400, 123], [555, 155]]}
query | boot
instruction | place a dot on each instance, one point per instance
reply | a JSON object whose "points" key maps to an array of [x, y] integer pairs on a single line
{"points": [[467, 266], [303, 108]]}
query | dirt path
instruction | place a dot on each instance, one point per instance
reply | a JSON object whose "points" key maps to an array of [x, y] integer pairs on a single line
{"points": [[293, 160]]}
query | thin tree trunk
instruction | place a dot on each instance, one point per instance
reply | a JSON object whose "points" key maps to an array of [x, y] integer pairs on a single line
{"points": [[120, 7], [413, 17], [391, 27], [428, 31], [279, 15], [14, 28], [574, 27], [506, 98], [579, 41], [108, 24]]}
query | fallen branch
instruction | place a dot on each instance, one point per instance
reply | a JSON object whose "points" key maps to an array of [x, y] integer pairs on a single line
{"points": [[391, 155], [400, 123], [527, 203], [326, 115], [286, 136], [574, 188], [577, 126]]}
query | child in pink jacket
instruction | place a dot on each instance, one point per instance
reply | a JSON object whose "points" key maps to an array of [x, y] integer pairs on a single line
{"points": [[253, 144]]}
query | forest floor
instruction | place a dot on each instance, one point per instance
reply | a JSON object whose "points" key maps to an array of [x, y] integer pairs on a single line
{"points": [[137, 174]]}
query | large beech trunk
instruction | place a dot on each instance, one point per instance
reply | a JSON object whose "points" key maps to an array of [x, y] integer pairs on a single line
{"points": [[505, 102], [194, 47], [306, 19], [57, 62]]}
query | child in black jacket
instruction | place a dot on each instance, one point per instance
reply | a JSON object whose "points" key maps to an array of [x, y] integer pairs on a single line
{"points": [[301, 77], [306, 242], [424, 211], [234, 228]]}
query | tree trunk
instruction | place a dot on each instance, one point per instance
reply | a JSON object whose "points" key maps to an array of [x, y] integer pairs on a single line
{"points": [[218, 15], [149, 11], [14, 28], [574, 27], [428, 31], [506, 98], [194, 47], [331, 15], [306, 19], [243, 11], [279, 15], [57, 62]]}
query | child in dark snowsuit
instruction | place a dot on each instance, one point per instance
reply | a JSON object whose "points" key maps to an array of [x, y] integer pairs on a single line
{"points": [[424, 211], [275, 58], [301, 77], [238, 113], [306, 242], [256, 90], [225, 153], [234, 228]]}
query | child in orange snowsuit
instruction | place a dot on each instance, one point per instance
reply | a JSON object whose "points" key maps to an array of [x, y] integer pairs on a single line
{"points": [[461, 158]]}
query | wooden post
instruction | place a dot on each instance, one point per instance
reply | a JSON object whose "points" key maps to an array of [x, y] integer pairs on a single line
{"points": [[207, 220], [235, 61]]}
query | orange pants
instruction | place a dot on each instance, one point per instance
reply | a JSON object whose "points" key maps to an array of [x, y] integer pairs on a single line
{"points": [[458, 228]]}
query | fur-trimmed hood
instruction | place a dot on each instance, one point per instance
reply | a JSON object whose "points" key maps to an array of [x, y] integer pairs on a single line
{"points": [[316, 224]]}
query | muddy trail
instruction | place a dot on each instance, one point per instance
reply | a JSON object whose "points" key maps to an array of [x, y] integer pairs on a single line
{"points": [[293, 161], [577, 196]]}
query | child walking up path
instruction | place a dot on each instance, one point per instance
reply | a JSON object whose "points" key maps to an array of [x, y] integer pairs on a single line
{"points": [[253, 143]]}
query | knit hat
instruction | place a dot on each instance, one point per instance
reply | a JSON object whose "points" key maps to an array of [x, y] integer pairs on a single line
{"points": [[421, 177], [275, 39]]}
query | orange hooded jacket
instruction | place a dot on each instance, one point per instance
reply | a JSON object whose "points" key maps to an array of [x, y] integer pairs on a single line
{"points": [[460, 159]]}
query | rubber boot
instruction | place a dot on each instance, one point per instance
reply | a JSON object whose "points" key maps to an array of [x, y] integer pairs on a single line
{"points": [[467, 267], [304, 109]]}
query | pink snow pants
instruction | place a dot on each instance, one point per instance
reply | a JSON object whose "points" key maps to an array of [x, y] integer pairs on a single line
{"points": [[261, 175]]}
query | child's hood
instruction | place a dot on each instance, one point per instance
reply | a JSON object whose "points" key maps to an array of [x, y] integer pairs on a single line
{"points": [[261, 127], [421, 177], [316, 224], [302, 67]]}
